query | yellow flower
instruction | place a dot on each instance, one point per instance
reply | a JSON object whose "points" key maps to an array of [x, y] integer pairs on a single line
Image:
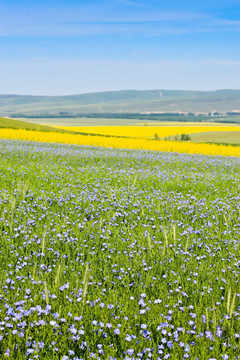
{"points": [[114, 142]]}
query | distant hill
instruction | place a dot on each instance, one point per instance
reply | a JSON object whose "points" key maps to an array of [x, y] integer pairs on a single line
{"points": [[123, 101]]}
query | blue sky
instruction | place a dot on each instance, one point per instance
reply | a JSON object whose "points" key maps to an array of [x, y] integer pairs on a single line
{"points": [[69, 47]]}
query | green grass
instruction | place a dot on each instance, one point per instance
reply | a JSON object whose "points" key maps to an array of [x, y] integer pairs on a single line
{"points": [[85, 121], [227, 137], [212, 137], [96, 240], [19, 124]]}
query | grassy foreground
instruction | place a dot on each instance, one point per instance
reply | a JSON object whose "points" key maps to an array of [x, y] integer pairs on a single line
{"points": [[118, 254]]}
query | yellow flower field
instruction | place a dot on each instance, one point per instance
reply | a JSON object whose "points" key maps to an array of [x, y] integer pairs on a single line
{"points": [[150, 131], [129, 143]]}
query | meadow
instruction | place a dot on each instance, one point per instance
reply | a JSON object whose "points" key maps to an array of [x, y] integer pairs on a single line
{"points": [[118, 254]]}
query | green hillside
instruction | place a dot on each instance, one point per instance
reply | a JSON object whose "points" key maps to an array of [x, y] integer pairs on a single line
{"points": [[122, 101], [18, 124]]}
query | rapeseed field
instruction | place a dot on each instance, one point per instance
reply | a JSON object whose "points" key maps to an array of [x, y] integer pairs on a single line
{"points": [[150, 131], [118, 142]]}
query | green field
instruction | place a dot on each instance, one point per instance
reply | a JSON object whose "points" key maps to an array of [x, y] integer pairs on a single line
{"points": [[87, 121], [223, 137], [20, 124], [103, 121], [228, 137], [116, 254]]}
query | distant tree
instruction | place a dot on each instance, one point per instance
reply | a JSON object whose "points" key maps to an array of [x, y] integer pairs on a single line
{"points": [[185, 137]]}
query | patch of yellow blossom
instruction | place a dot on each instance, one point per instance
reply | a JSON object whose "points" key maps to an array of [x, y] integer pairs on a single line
{"points": [[149, 131], [127, 143]]}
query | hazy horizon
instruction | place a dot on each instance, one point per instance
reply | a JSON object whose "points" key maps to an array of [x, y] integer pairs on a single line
{"points": [[106, 91], [57, 48]]}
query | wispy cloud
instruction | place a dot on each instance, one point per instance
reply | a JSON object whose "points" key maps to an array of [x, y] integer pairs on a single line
{"points": [[132, 3], [88, 19], [157, 26]]}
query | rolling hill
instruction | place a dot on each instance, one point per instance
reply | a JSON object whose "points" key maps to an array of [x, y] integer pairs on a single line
{"points": [[122, 101]]}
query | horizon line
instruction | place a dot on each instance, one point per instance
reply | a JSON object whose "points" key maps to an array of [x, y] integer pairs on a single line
{"points": [[121, 90]]}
